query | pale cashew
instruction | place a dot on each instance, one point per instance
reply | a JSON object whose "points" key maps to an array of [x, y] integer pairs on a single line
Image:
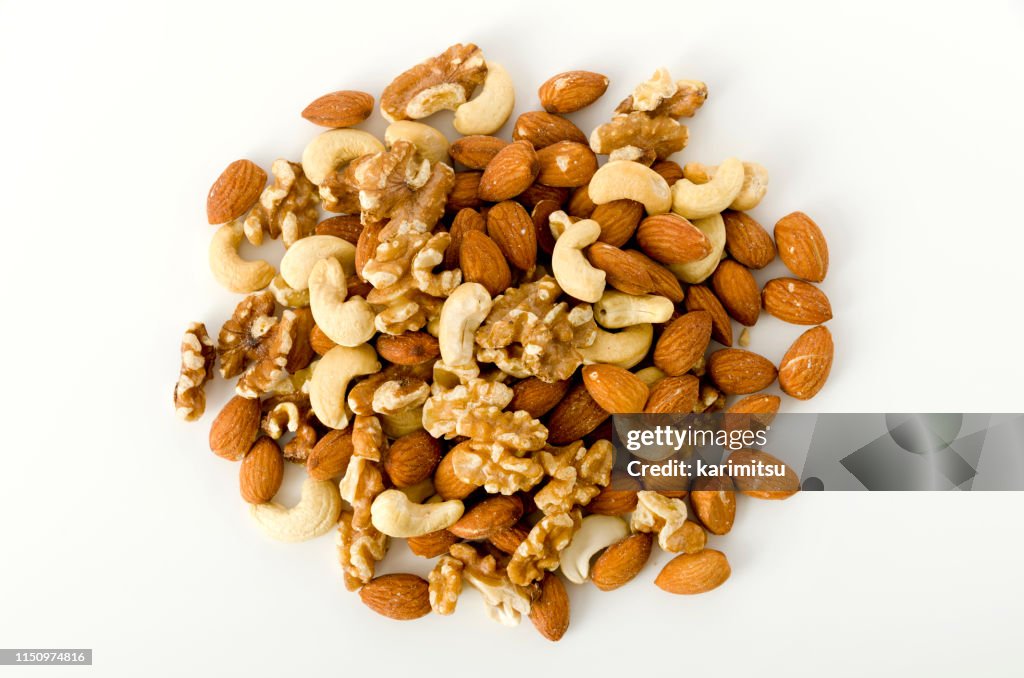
{"points": [[231, 270], [430, 143], [623, 349], [574, 273], [694, 272], [618, 309], [335, 148], [329, 384], [402, 423], [422, 492], [346, 323], [298, 262], [316, 513], [650, 375], [626, 179], [755, 182], [491, 108], [696, 201], [461, 315], [596, 533], [558, 222], [394, 515]]}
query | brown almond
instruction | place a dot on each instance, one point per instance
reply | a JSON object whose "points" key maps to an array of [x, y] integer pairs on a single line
{"points": [[762, 486], [700, 298], [465, 191], [665, 282], [489, 516], [330, 456], [537, 397], [692, 573], [398, 596], [301, 353], [613, 502], [541, 217], [511, 227], [236, 190], [235, 429], [622, 561], [446, 483], [574, 417], [538, 192], [625, 270], [344, 226], [795, 301], [616, 390], [320, 342], [550, 612], [566, 164], [580, 205], [261, 472], [366, 246], [412, 458], [467, 219], [509, 539], [671, 239], [482, 261], [542, 129], [432, 544], [669, 170], [736, 288], [476, 151], [747, 241], [619, 220], [339, 109], [737, 371], [760, 403], [570, 91], [806, 366], [408, 348], [714, 501], [673, 394], [802, 246], [683, 343], [510, 172]]}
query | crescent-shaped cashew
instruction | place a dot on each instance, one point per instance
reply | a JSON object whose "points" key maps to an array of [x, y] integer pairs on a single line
{"points": [[298, 262], [755, 185], [329, 384], [346, 323], [430, 143], [230, 269], [575, 275], [491, 108], [316, 513], [402, 423], [335, 148], [596, 533], [394, 515], [462, 313], [617, 309], [694, 272], [623, 349], [620, 179], [696, 201]]}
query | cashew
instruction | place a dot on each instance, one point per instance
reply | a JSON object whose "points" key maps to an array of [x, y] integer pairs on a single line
{"points": [[402, 423], [696, 201], [430, 143], [301, 257], [573, 272], [231, 270], [694, 272], [620, 179], [596, 533], [334, 148], [755, 185], [650, 375], [463, 312], [328, 386], [558, 222], [618, 309], [421, 492], [623, 349], [394, 515], [315, 514], [491, 108], [346, 323]]}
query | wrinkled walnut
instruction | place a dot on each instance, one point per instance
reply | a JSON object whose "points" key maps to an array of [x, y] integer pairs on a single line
{"points": [[506, 601], [242, 338], [361, 484], [539, 552], [270, 373], [361, 396], [445, 584], [287, 296], [399, 395], [291, 413], [368, 439], [197, 357], [442, 82], [659, 514], [401, 185], [495, 467], [410, 312], [660, 96], [338, 192], [286, 208], [474, 410], [446, 407], [359, 551], [577, 475], [660, 136]]}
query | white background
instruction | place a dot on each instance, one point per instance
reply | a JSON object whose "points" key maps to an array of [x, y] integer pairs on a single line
{"points": [[896, 125]]}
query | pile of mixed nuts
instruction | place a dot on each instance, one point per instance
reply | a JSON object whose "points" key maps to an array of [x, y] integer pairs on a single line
{"points": [[445, 352]]}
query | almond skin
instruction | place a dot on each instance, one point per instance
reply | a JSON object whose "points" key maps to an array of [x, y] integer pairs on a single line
{"points": [[806, 366], [580, 205], [760, 403], [671, 239], [694, 573], [476, 151], [509, 173], [235, 429], [330, 456], [366, 246], [574, 417], [542, 129], [261, 472], [570, 91], [619, 220], [467, 219], [764, 487], [398, 596], [509, 539], [613, 502], [795, 301], [714, 501], [616, 390], [409, 348], [566, 164], [700, 298], [683, 343], [673, 394], [669, 170], [737, 371], [537, 397], [624, 270], [538, 192], [482, 261], [339, 109], [432, 544], [541, 216], [412, 458], [487, 517], [747, 240], [344, 226], [465, 191], [320, 342], [446, 483], [511, 227], [550, 612], [236, 190], [802, 246], [622, 562], [736, 288]]}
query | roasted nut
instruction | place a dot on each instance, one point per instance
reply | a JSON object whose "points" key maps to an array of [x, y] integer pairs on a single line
{"points": [[596, 533], [489, 516], [462, 313], [550, 611], [394, 515], [736, 288], [359, 550], [784, 483], [397, 596], [510, 172], [673, 394], [624, 349], [737, 371], [660, 515], [542, 129], [428, 141], [615, 310], [565, 164], [235, 428], [465, 191], [345, 322], [671, 239], [537, 396], [700, 298], [539, 552], [658, 136], [334, 149], [197, 357], [330, 456], [619, 220], [261, 472], [577, 415], [412, 458], [570, 91], [445, 584], [621, 562], [511, 227], [477, 150], [660, 96], [683, 343], [299, 260], [795, 301], [697, 271], [747, 241], [694, 573], [409, 348], [344, 108], [315, 514], [802, 246], [443, 82], [482, 262], [287, 208], [506, 602], [696, 201], [573, 272], [331, 378], [486, 113], [714, 501], [230, 270], [235, 191], [621, 179], [806, 365]]}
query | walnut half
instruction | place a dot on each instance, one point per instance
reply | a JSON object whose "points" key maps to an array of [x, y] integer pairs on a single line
{"points": [[443, 82], [197, 357]]}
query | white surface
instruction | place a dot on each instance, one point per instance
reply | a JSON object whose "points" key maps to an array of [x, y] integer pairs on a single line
{"points": [[896, 125]]}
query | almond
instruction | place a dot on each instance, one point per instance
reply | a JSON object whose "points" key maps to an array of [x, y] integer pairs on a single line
{"points": [[537, 192], [700, 298], [796, 301], [482, 261], [806, 365], [622, 562], [619, 220], [340, 109], [736, 288], [683, 343], [613, 502], [574, 417], [624, 270], [487, 517], [669, 170], [665, 282], [261, 472], [301, 353], [747, 241], [760, 403], [616, 390], [537, 397], [465, 191], [714, 501], [566, 164], [542, 129], [412, 458], [467, 219], [673, 394], [398, 596], [510, 172], [320, 342], [235, 429], [691, 573], [511, 227], [763, 486], [344, 226], [236, 190], [737, 371], [509, 539], [446, 483], [670, 239], [432, 544], [408, 348], [541, 217], [330, 456], [570, 91], [802, 246], [550, 612], [580, 205], [476, 151]]}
